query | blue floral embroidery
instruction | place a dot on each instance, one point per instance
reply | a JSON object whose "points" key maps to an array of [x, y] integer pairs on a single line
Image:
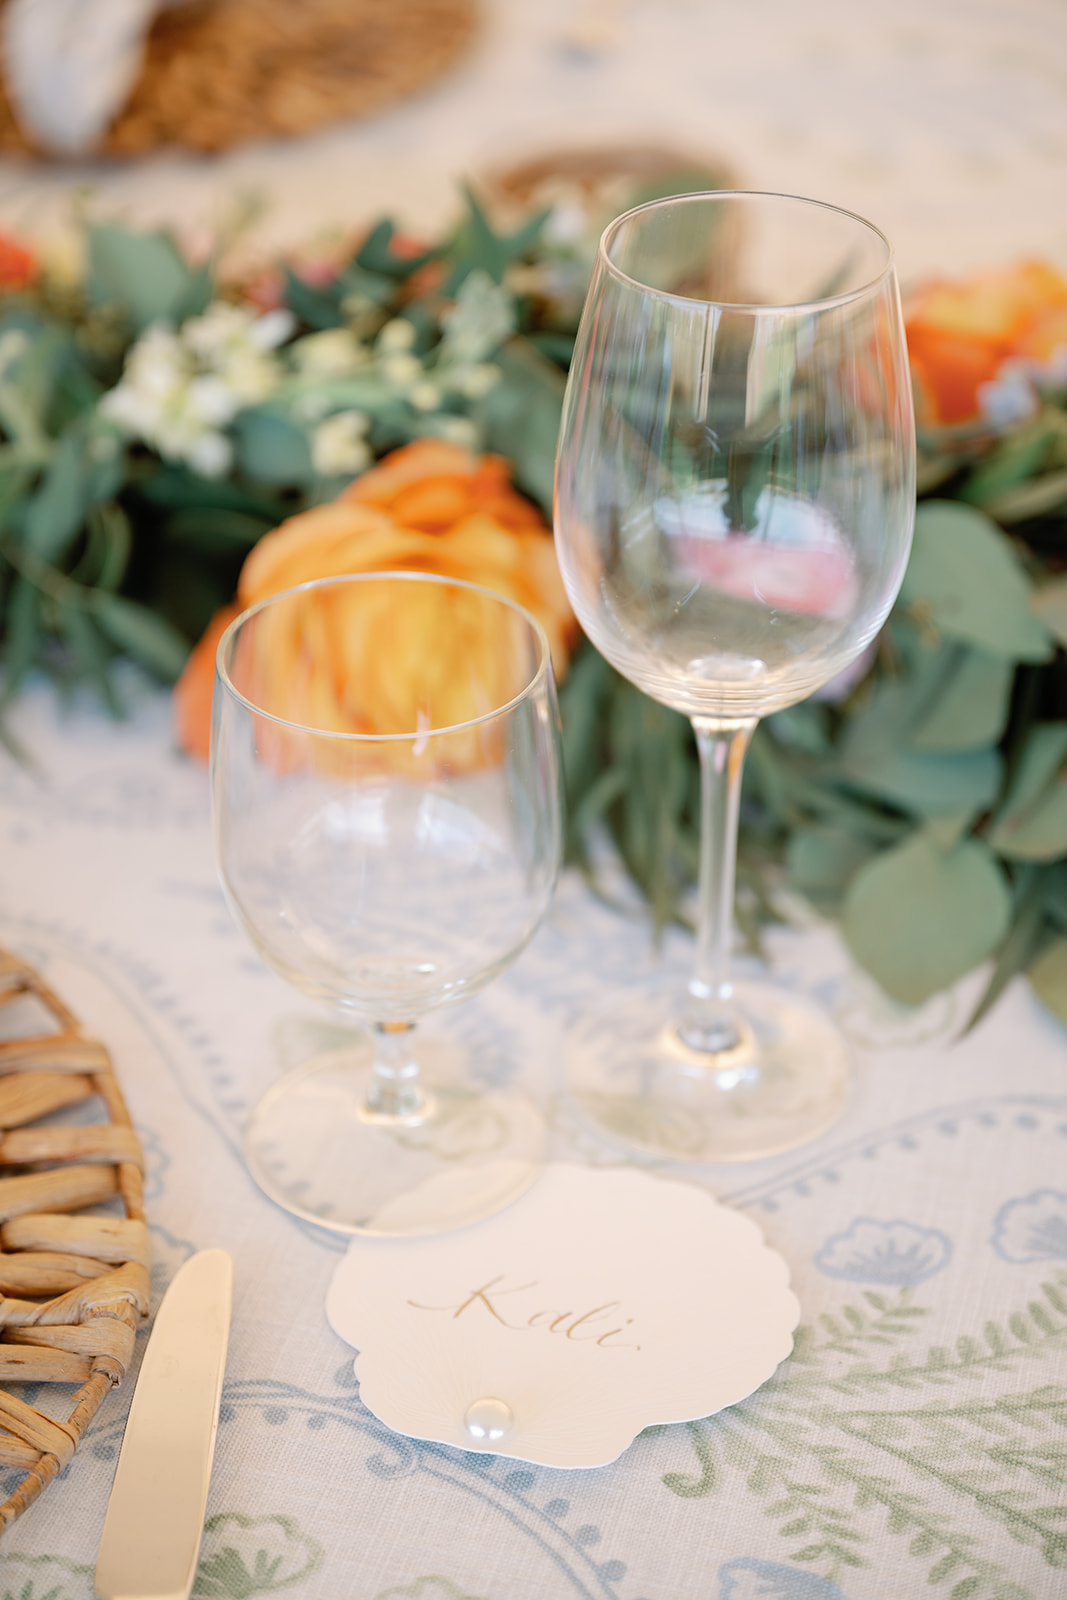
{"points": [[749, 1579], [893, 1253], [1033, 1228]]}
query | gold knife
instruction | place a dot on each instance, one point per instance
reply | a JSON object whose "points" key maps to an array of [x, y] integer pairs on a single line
{"points": [[155, 1517]]}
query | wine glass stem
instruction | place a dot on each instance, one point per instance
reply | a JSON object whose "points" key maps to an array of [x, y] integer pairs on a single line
{"points": [[709, 1023], [395, 1094]]}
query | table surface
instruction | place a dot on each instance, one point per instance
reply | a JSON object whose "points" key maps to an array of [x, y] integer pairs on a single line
{"points": [[919, 1430], [916, 1445]]}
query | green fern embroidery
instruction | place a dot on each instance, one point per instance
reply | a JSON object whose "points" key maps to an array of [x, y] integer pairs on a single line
{"points": [[797, 1442]]}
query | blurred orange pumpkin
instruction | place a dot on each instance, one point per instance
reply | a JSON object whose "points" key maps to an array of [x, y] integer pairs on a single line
{"points": [[428, 507], [960, 333]]}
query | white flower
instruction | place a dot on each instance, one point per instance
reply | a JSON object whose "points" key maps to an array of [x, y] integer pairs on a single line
{"points": [[476, 382], [211, 401], [211, 455], [237, 345], [272, 329], [401, 370], [479, 322], [567, 223], [1010, 398], [396, 336], [181, 388], [312, 407], [334, 353], [457, 430], [424, 396], [13, 346], [338, 444]]}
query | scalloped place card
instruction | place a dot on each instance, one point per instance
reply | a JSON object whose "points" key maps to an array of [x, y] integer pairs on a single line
{"points": [[602, 1301]]}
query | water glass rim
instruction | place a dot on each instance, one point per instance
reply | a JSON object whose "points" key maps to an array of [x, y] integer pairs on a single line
{"points": [[785, 308], [531, 687]]}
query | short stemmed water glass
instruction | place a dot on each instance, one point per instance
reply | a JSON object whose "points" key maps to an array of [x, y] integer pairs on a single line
{"points": [[387, 819], [734, 506]]}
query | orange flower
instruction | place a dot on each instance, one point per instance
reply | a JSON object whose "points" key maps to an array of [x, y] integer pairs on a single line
{"points": [[428, 507], [18, 266], [960, 333]]}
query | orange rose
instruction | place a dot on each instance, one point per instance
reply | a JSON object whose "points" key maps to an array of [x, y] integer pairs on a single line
{"points": [[429, 507], [18, 266], [960, 333]]}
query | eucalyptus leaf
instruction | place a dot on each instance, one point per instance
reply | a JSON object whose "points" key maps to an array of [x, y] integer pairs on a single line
{"points": [[964, 576], [479, 247], [971, 711], [917, 919], [143, 273], [272, 449], [1049, 605], [1011, 461], [521, 416], [947, 831], [376, 254], [214, 529], [319, 308], [1032, 823], [175, 487], [1048, 975], [56, 513], [1019, 947], [141, 633], [91, 657], [24, 634], [821, 862], [1054, 893], [929, 784], [1034, 499]]}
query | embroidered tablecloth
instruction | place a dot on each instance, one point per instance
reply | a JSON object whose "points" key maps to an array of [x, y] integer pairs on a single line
{"points": [[916, 1442]]}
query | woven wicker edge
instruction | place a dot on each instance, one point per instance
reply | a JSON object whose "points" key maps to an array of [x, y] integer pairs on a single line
{"points": [[91, 1273]]}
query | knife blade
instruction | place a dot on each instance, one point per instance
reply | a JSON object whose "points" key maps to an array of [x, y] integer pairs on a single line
{"points": [[155, 1516]]}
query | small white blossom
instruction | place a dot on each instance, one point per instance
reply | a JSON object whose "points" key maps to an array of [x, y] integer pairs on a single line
{"points": [[181, 388], [476, 382], [397, 336], [424, 396], [312, 407], [338, 445], [333, 353], [567, 223], [13, 346], [479, 322], [272, 329], [401, 370], [211, 455], [1010, 398], [211, 401], [457, 430]]}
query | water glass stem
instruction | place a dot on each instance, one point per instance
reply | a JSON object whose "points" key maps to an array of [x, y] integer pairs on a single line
{"points": [[709, 1024], [396, 1094]]}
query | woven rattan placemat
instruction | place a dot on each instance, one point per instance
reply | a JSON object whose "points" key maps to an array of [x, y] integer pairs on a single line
{"points": [[73, 1288], [220, 72]]}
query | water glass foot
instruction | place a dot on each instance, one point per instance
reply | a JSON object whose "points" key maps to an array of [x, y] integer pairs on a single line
{"points": [[313, 1149], [782, 1083]]}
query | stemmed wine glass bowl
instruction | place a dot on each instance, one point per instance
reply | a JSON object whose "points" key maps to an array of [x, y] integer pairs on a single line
{"points": [[734, 505], [387, 820]]}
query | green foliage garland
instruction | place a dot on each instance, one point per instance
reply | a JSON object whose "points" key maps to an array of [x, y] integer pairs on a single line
{"points": [[926, 807]]}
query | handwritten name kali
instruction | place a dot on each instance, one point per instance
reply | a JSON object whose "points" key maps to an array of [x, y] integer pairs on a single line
{"points": [[497, 1300]]}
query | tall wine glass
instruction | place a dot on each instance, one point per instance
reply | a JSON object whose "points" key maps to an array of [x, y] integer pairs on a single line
{"points": [[387, 821], [734, 505]]}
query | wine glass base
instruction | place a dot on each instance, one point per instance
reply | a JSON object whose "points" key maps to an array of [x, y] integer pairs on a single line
{"points": [[312, 1148], [784, 1082]]}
